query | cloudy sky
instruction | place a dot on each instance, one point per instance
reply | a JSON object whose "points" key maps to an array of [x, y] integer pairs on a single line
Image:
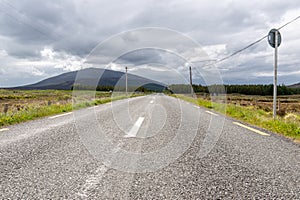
{"points": [[40, 39]]}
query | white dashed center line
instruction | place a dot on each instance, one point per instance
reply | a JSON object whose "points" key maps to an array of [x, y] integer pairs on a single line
{"points": [[53, 117], [92, 181], [93, 107], [134, 130], [212, 113]]}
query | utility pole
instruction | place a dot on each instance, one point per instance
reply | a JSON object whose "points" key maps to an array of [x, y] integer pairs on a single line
{"points": [[275, 75], [191, 82], [274, 39], [126, 79]]}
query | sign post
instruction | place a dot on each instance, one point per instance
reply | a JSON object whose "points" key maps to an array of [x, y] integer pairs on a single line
{"points": [[126, 79], [274, 39], [191, 81]]}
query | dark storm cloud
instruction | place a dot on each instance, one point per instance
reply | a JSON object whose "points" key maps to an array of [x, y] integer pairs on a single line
{"points": [[70, 26], [140, 57], [75, 28], [53, 23]]}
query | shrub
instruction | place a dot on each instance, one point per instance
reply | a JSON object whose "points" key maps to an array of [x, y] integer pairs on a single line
{"points": [[281, 112]]}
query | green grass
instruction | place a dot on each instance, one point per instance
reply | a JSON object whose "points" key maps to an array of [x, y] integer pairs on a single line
{"points": [[33, 104], [32, 112], [61, 102], [252, 115]]}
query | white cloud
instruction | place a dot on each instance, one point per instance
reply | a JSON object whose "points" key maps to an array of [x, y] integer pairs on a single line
{"points": [[215, 51], [37, 72], [47, 53], [149, 67], [55, 37], [3, 53], [271, 74], [115, 67]]}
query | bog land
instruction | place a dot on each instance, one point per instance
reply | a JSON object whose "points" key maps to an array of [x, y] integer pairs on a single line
{"points": [[256, 110], [22, 105]]}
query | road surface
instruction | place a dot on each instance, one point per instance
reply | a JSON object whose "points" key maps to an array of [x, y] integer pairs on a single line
{"points": [[151, 147]]}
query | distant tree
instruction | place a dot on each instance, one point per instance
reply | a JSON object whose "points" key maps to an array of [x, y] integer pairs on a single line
{"points": [[240, 89]]}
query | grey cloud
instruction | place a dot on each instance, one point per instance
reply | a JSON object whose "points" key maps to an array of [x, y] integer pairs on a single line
{"points": [[140, 57], [76, 28]]}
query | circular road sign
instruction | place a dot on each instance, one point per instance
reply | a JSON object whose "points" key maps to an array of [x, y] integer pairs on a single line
{"points": [[271, 38]]}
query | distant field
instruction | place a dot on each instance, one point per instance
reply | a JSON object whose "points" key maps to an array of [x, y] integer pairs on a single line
{"points": [[257, 110], [22, 105], [12, 101], [285, 104]]}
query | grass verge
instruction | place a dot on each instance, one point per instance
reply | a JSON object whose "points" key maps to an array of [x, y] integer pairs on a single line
{"points": [[282, 125], [34, 111]]}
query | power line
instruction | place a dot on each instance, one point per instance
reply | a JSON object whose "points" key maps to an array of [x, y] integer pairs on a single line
{"points": [[21, 19], [59, 36], [250, 45], [25, 23], [37, 27], [243, 49], [289, 23]]}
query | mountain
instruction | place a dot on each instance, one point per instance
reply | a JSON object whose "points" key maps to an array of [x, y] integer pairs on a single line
{"points": [[90, 78], [297, 85]]}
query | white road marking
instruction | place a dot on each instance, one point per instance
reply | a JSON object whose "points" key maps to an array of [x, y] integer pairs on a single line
{"points": [[53, 117], [4, 129], [252, 129], [212, 113], [196, 106], [92, 181], [151, 101], [93, 107], [95, 178], [134, 130]]}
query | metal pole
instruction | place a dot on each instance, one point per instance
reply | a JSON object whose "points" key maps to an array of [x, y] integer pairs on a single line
{"points": [[191, 82], [275, 75], [126, 79]]}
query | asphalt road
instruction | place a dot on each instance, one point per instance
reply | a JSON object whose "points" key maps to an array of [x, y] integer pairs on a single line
{"points": [[152, 147]]}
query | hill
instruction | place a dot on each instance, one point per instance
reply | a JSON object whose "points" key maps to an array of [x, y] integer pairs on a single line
{"points": [[297, 85], [90, 78]]}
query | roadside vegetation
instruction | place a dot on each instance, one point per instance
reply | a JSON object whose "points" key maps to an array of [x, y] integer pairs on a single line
{"points": [[22, 105], [262, 90], [256, 110]]}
